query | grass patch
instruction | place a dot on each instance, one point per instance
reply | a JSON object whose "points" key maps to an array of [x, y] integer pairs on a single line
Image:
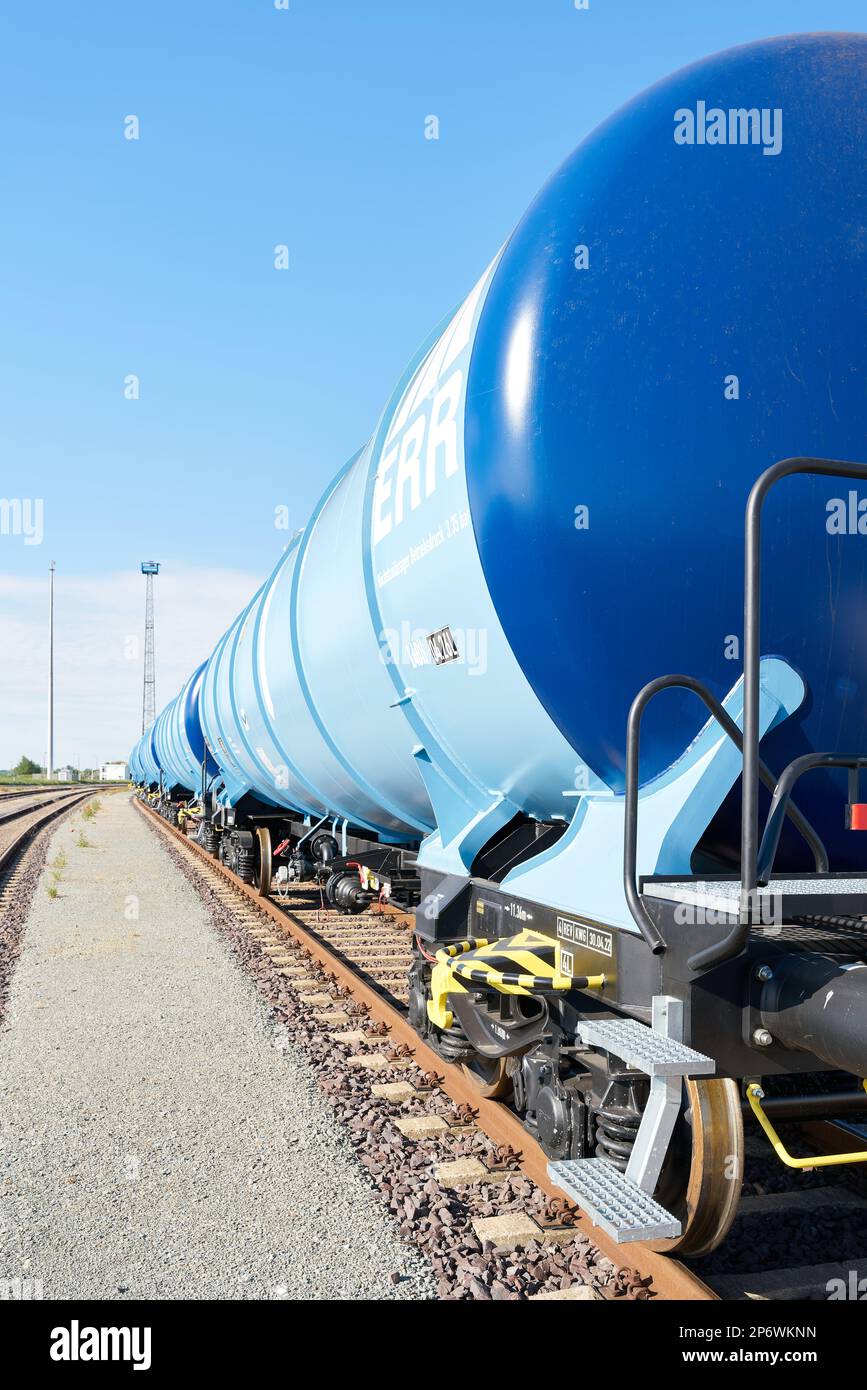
{"points": [[91, 809], [83, 842], [51, 890], [59, 861]]}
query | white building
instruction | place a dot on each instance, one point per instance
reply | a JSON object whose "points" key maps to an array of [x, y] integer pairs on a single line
{"points": [[65, 774], [114, 772]]}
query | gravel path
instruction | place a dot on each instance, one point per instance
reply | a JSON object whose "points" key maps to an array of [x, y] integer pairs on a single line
{"points": [[159, 1136]]}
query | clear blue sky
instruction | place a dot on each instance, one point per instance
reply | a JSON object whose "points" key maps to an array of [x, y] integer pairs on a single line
{"points": [[262, 126]]}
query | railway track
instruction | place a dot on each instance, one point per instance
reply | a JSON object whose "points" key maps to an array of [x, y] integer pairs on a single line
{"points": [[19, 825], [351, 971], [818, 1215], [11, 792], [20, 866], [41, 793]]}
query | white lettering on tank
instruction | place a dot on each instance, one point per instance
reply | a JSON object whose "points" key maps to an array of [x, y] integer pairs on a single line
{"points": [[443, 432], [381, 493], [433, 436], [409, 469], [442, 355]]}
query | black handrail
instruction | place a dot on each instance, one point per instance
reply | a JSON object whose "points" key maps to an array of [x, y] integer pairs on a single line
{"points": [[752, 625], [735, 941], [753, 769], [642, 918], [777, 814]]}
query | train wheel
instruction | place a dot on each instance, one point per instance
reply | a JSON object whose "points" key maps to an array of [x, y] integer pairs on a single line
{"points": [[708, 1148], [489, 1076], [263, 861]]}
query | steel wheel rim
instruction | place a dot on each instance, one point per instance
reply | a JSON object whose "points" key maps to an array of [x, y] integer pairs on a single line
{"points": [[712, 1192], [263, 861], [489, 1076]]}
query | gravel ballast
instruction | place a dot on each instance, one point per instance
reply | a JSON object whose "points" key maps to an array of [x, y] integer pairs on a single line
{"points": [[413, 1174], [161, 1137]]}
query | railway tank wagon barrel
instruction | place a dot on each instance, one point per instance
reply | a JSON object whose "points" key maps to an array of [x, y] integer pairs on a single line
{"points": [[187, 768], [435, 682], [144, 764], [135, 768]]}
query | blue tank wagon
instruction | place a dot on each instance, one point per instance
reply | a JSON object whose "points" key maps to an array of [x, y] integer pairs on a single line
{"points": [[548, 518]]}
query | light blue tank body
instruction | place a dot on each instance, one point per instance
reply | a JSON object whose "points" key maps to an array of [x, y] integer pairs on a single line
{"points": [[134, 765], [144, 759], [549, 513], [178, 740], [280, 682]]}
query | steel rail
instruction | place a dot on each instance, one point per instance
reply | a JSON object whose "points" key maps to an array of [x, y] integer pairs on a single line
{"points": [[11, 792], [9, 852], [16, 812]]}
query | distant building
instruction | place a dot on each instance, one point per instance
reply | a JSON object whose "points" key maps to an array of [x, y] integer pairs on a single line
{"points": [[113, 772], [65, 774]]}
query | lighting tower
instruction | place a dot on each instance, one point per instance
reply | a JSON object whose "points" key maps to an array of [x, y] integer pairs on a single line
{"points": [[149, 709]]}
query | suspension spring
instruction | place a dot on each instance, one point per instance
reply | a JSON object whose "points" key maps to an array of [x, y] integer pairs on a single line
{"points": [[243, 865], [616, 1132], [454, 1045]]}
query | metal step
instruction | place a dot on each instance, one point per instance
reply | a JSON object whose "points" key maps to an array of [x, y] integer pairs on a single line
{"points": [[644, 1049], [612, 1201]]}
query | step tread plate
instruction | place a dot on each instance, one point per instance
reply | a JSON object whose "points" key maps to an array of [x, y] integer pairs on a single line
{"points": [[643, 1048], [612, 1201]]}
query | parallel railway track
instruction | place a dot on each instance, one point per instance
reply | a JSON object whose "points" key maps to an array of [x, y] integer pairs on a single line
{"points": [[10, 792], [22, 832], [41, 794], [365, 958], [19, 826]]}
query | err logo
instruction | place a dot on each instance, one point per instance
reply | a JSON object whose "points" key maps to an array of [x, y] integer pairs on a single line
{"points": [[422, 452], [77, 1343]]}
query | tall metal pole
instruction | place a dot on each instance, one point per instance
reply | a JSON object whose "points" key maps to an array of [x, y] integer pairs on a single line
{"points": [[49, 769], [149, 708]]}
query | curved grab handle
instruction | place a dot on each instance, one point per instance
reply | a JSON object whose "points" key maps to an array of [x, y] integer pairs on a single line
{"points": [[641, 916]]}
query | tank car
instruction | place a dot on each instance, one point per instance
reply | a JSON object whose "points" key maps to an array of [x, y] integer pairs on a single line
{"points": [[170, 765], [635, 448], [144, 765]]}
